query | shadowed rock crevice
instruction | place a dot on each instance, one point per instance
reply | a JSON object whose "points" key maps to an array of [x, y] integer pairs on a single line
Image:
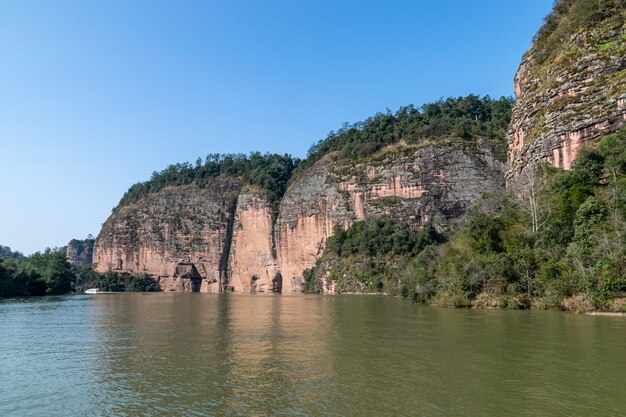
{"points": [[188, 273], [223, 267], [277, 283]]}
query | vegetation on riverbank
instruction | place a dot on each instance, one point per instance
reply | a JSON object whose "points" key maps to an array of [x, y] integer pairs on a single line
{"points": [[368, 256], [49, 273], [555, 241]]}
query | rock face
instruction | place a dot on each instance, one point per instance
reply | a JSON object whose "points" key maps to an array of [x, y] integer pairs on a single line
{"points": [[176, 229], [227, 237], [80, 252], [413, 183], [569, 100], [251, 262]]}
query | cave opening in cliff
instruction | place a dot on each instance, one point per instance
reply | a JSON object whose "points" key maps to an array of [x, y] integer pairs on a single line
{"points": [[277, 283], [253, 282]]}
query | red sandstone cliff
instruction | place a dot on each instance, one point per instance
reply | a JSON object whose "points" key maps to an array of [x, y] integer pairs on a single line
{"points": [[412, 183], [569, 99], [178, 235], [193, 239]]}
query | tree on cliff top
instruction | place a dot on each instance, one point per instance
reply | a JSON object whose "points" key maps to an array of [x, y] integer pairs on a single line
{"points": [[465, 118], [270, 172]]}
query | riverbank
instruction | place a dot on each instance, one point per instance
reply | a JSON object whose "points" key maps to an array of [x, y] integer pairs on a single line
{"points": [[606, 313], [493, 305]]}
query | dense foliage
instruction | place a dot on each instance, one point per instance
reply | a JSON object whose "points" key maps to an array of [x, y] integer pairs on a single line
{"points": [[565, 250], [368, 255], [42, 273], [466, 118], [86, 278], [568, 17], [270, 172], [49, 273], [381, 237]]}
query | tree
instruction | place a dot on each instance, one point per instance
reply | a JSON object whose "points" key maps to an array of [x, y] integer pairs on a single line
{"points": [[530, 191]]}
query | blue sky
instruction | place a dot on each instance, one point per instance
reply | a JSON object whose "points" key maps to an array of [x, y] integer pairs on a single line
{"points": [[96, 95]]}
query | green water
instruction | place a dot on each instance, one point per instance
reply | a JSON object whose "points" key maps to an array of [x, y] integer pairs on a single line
{"points": [[227, 355]]}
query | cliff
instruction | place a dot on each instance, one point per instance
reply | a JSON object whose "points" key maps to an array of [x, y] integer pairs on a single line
{"points": [[179, 235], [414, 183], [251, 262], [80, 252], [192, 238], [570, 86]]}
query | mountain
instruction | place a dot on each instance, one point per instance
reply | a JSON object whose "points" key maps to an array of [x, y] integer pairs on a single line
{"points": [[256, 223], [397, 203]]}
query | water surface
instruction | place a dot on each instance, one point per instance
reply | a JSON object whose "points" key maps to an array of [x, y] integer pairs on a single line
{"points": [[257, 355]]}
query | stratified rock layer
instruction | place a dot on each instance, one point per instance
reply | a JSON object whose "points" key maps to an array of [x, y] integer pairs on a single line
{"points": [[568, 101]]}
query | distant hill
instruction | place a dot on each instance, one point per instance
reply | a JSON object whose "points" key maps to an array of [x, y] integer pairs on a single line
{"points": [[7, 253]]}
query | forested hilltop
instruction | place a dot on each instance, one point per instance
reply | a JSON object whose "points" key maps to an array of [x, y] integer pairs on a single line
{"points": [[572, 17], [464, 118], [270, 172]]}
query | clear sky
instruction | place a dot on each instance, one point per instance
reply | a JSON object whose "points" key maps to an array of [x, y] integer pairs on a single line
{"points": [[96, 95]]}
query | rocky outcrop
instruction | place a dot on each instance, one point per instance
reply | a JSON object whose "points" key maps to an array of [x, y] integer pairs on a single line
{"points": [[308, 213], [176, 229], [414, 183], [567, 101], [80, 252]]}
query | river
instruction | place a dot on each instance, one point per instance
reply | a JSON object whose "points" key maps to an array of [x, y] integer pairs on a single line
{"points": [[302, 355]]}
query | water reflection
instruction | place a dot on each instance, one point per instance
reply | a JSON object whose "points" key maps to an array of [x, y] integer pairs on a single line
{"points": [[226, 354], [256, 355]]}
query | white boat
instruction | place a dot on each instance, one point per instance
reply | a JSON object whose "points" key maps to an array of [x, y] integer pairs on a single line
{"points": [[93, 291]]}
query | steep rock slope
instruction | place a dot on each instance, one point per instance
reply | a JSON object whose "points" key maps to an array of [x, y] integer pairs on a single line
{"points": [[251, 263], [433, 182], [192, 239], [178, 235], [570, 86]]}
